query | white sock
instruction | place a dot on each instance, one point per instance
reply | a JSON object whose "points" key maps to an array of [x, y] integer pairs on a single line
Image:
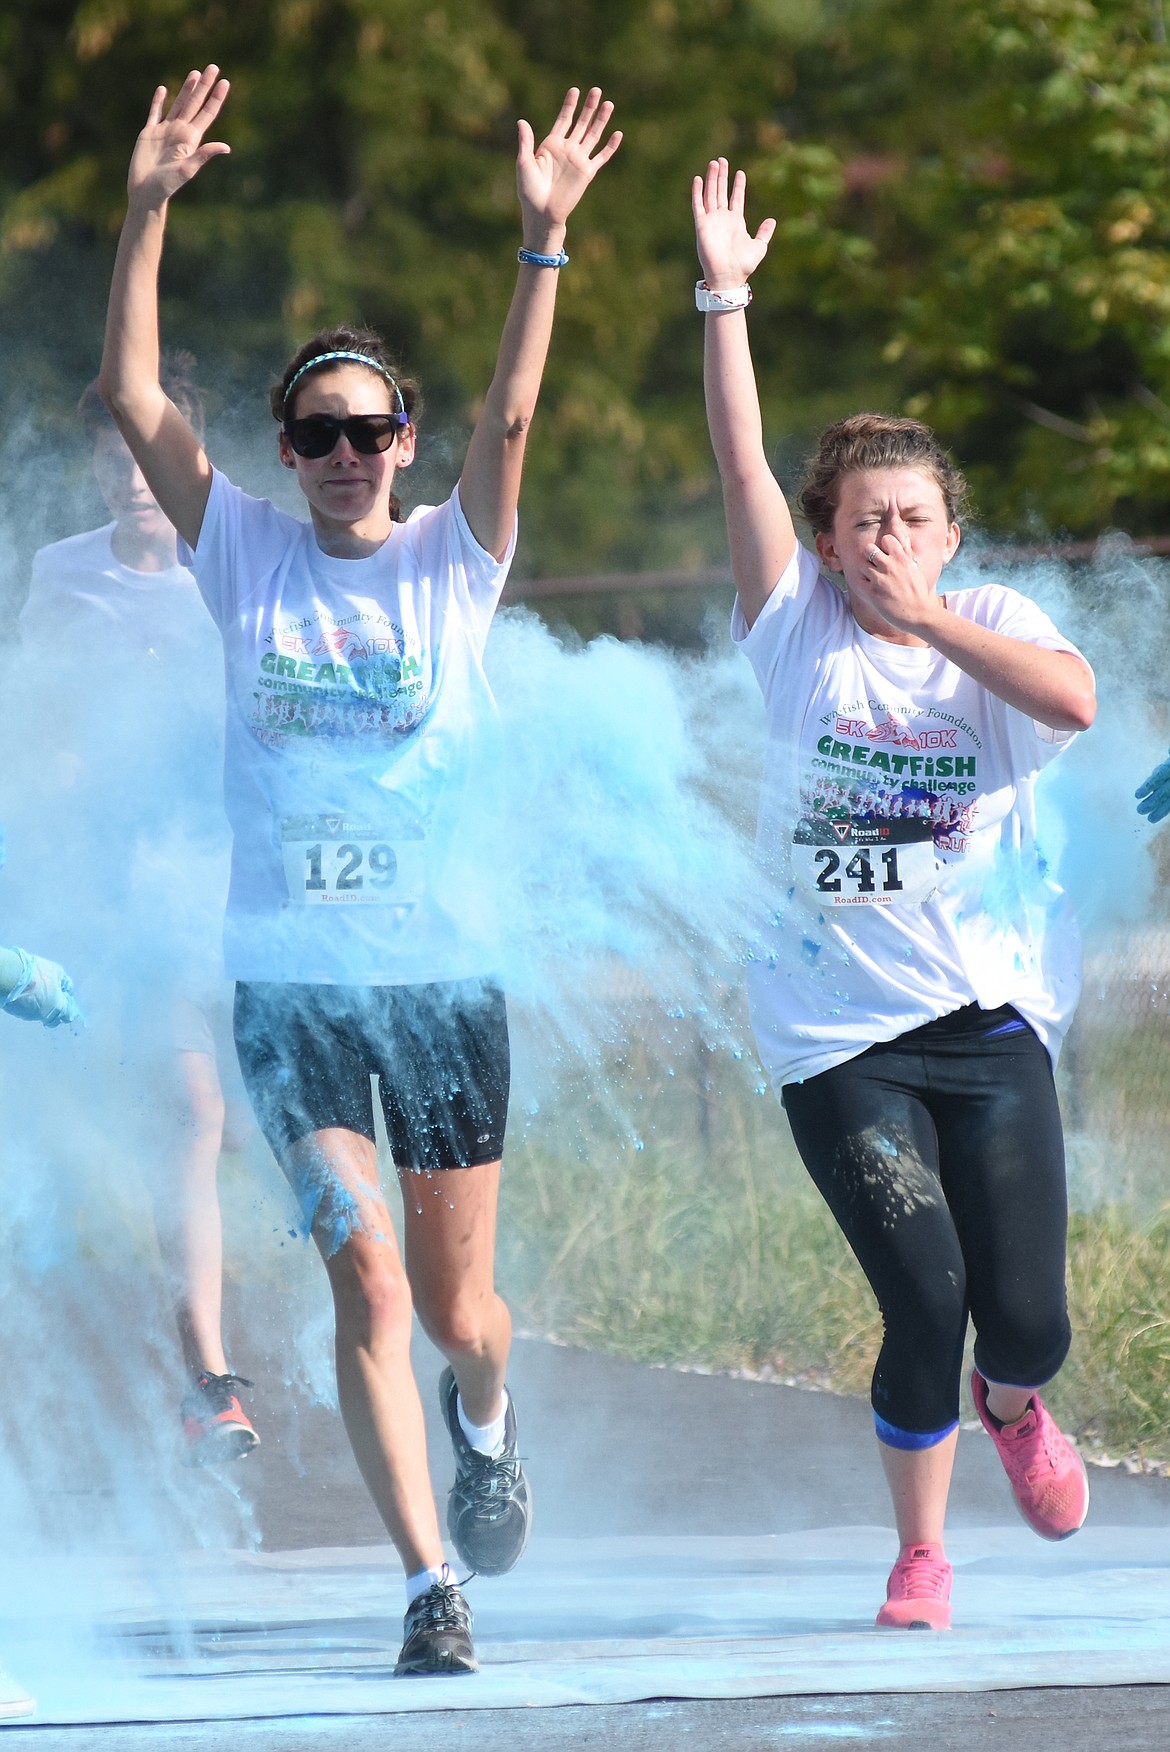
{"points": [[485, 1438], [425, 1579]]}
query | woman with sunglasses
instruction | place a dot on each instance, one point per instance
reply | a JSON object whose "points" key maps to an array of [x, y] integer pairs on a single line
{"points": [[358, 929]]}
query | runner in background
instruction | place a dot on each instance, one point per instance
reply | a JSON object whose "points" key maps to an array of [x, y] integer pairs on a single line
{"points": [[917, 971], [133, 746], [361, 785]]}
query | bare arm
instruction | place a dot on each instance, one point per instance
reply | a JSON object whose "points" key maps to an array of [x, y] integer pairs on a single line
{"points": [[550, 180], [1054, 687], [169, 152], [759, 526]]}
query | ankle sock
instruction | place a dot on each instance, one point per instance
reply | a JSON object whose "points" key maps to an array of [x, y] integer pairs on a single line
{"points": [[484, 1438], [424, 1580]]}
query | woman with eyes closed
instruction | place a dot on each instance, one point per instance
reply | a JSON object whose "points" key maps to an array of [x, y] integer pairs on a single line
{"points": [[917, 972], [360, 786]]}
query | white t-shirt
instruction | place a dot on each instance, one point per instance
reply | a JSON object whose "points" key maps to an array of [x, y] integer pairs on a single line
{"points": [[119, 695], [82, 597], [897, 831], [362, 753]]}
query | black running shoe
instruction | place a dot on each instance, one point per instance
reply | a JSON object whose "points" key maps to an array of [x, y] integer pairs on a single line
{"points": [[489, 1510], [438, 1632], [215, 1426]]}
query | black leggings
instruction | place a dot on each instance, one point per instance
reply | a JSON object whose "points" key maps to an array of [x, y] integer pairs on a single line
{"points": [[941, 1156]]}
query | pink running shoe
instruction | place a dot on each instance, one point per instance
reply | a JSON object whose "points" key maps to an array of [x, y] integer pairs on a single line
{"points": [[918, 1593], [1046, 1473]]}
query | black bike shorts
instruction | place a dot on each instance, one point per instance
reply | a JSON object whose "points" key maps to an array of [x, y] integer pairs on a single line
{"points": [[440, 1054]]}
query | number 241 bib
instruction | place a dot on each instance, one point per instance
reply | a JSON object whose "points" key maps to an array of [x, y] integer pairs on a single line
{"points": [[858, 863]]}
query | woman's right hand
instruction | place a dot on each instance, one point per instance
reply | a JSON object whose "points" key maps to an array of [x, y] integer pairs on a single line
{"points": [[170, 149], [728, 252]]}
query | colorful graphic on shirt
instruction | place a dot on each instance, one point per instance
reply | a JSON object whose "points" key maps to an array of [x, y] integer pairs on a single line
{"points": [[358, 676], [884, 795], [875, 764]]}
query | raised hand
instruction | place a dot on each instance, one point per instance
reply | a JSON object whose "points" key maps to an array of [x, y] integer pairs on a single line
{"points": [[1153, 794], [552, 177], [728, 252], [170, 149]]}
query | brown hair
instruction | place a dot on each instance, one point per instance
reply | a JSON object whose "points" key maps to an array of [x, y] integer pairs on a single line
{"points": [[347, 338], [866, 441], [176, 374]]}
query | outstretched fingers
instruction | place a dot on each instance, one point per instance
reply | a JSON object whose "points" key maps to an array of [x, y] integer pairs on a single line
{"points": [[718, 194], [172, 148], [584, 129], [606, 152], [199, 99], [157, 105], [568, 109], [726, 246], [595, 116]]}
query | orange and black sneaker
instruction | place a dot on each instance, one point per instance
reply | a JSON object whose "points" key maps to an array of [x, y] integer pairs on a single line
{"points": [[215, 1425]]}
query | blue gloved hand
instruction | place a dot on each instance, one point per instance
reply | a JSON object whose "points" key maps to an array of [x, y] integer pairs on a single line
{"points": [[43, 992], [1153, 794]]}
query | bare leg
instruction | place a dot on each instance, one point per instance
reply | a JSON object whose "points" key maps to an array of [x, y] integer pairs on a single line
{"points": [[920, 1481], [449, 1226], [372, 1306], [187, 1219]]}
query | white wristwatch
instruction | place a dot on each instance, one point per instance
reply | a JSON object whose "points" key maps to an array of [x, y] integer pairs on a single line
{"points": [[736, 298]]}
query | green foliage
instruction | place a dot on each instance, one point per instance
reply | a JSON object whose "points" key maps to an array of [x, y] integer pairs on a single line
{"points": [[1007, 165], [970, 194], [372, 175]]}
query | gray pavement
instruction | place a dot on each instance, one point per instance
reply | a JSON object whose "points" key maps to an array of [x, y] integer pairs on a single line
{"points": [[618, 1448], [1136, 1719], [615, 1447]]}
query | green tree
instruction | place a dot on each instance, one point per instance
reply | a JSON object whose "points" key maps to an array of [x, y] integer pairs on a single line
{"points": [[1005, 168], [372, 175], [971, 196]]}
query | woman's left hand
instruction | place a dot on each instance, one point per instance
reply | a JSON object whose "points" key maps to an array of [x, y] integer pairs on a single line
{"points": [[552, 177]]}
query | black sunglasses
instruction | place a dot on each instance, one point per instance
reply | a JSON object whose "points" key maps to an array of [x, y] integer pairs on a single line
{"points": [[369, 434]]}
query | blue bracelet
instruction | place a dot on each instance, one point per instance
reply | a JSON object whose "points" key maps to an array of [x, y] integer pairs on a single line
{"points": [[532, 259]]}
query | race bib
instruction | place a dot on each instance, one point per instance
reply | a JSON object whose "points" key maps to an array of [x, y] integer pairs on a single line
{"points": [[865, 863], [334, 860]]}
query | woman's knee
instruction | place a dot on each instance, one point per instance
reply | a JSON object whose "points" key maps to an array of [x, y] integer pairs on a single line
{"points": [[1023, 1347], [371, 1295], [916, 1379], [456, 1323]]}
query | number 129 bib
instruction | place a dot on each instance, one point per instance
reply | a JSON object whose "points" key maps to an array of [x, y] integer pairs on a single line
{"points": [[859, 863], [332, 860]]}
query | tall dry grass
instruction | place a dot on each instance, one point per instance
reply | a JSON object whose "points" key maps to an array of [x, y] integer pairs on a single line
{"points": [[662, 1214]]}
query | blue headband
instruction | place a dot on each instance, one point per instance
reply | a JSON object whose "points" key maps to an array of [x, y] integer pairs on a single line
{"points": [[401, 416]]}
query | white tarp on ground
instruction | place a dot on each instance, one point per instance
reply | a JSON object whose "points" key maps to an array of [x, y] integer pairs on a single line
{"points": [[601, 1621]]}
